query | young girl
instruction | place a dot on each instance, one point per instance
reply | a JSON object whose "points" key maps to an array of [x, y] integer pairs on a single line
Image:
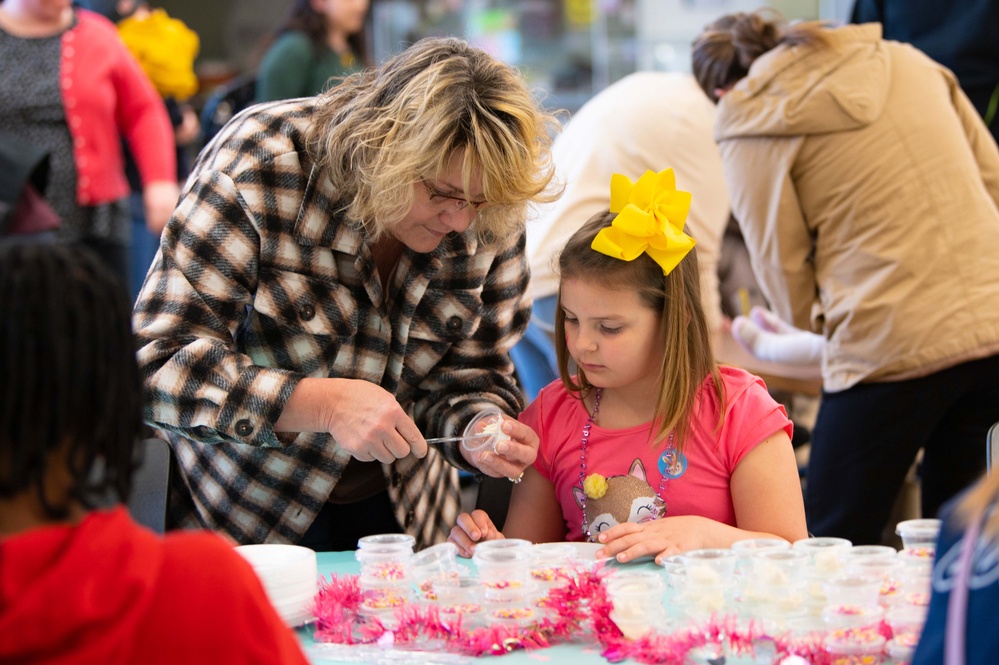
{"points": [[650, 448]]}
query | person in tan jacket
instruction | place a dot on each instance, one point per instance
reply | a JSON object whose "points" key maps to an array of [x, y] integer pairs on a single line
{"points": [[866, 187]]}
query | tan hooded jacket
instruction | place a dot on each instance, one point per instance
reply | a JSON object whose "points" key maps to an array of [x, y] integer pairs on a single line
{"points": [[867, 189]]}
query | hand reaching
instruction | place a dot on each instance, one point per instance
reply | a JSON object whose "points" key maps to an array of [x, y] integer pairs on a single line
{"points": [[473, 528]]}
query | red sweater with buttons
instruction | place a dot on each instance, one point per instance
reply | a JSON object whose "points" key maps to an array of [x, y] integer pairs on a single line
{"points": [[106, 95]]}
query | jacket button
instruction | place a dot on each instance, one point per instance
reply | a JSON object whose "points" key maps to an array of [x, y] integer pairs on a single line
{"points": [[410, 518], [244, 428], [307, 312], [454, 323]]}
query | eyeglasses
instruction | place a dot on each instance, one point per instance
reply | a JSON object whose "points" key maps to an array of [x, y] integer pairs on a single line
{"points": [[447, 203]]}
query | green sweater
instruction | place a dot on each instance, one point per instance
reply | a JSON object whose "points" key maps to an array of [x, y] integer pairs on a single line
{"points": [[292, 68]]}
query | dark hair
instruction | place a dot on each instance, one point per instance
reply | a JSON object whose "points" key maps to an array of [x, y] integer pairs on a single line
{"points": [[726, 48], [676, 297], [69, 382], [302, 17]]}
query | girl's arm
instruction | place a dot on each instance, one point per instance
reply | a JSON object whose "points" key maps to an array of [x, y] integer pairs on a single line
{"points": [[766, 495], [534, 515]]}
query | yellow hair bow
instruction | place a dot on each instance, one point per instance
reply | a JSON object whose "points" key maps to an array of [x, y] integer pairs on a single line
{"points": [[650, 218]]}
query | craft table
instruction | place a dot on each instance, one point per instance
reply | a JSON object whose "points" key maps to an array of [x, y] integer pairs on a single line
{"points": [[343, 563]]}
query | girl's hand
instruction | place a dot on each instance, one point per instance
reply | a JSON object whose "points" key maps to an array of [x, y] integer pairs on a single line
{"points": [[473, 528], [511, 457], [659, 538]]}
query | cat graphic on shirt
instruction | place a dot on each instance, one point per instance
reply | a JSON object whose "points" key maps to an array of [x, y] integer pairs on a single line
{"points": [[629, 498]]}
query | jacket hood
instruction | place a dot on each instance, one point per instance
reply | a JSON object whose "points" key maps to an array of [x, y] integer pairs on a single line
{"points": [[797, 90], [76, 594]]}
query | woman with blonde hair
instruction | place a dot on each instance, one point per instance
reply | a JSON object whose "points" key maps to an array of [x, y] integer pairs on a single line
{"points": [[344, 276], [867, 189]]}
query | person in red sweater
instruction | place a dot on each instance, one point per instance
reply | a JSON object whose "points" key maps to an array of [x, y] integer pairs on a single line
{"points": [[78, 584], [69, 86]]}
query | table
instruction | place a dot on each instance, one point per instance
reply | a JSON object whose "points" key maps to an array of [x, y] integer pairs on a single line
{"points": [[803, 379], [343, 563]]}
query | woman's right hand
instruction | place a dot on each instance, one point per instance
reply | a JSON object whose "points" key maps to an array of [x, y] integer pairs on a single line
{"points": [[473, 528], [364, 418]]}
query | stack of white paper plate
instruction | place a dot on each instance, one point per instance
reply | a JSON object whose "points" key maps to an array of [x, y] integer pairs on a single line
{"points": [[289, 575]]}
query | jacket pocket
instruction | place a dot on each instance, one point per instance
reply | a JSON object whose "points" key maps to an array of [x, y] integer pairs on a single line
{"points": [[299, 322]]}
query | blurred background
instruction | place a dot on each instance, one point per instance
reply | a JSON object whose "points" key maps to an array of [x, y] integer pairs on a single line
{"points": [[567, 49]]}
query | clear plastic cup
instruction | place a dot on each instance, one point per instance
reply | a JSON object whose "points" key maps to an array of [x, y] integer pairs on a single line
{"points": [[853, 590], [918, 533], [552, 561], [855, 647], [483, 431], [384, 565], [431, 567], [780, 567], [825, 553], [637, 597], [709, 567], [859, 553], [505, 572], [387, 539], [746, 549]]}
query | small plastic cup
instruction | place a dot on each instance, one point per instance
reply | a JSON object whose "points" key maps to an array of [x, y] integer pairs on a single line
{"points": [[855, 647], [384, 565], [746, 549], [852, 618], [709, 567], [552, 561], [484, 431], [859, 553], [431, 567], [853, 590], [780, 567], [505, 572], [918, 533], [906, 619], [825, 553], [637, 597], [387, 539]]}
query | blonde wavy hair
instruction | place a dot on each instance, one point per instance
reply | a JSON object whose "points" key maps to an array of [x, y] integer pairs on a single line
{"points": [[687, 356], [380, 131], [727, 47]]}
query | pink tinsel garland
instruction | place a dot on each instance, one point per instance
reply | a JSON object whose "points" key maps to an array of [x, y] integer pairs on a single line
{"points": [[581, 601]]}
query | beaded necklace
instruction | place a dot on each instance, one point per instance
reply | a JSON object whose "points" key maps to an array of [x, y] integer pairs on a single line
{"points": [[660, 502]]}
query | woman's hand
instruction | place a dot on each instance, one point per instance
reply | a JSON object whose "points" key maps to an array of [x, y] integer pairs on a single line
{"points": [[473, 528], [364, 418], [512, 457]]}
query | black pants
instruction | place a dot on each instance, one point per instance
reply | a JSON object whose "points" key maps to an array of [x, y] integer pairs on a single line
{"points": [[338, 525], [866, 438]]}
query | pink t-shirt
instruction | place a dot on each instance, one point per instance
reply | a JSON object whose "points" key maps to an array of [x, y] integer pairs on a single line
{"points": [[634, 469]]}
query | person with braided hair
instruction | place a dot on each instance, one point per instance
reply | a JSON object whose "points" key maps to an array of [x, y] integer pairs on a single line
{"points": [[79, 583]]}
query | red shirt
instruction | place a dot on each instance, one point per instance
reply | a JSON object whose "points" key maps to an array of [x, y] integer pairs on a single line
{"points": [[109, 591]]}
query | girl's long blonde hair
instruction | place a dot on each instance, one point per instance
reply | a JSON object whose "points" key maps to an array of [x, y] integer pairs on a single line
{"points": [[380, 131], [687, 355]]}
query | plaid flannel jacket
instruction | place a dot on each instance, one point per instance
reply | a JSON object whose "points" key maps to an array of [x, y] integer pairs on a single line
{"points": [[257, 284]]}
